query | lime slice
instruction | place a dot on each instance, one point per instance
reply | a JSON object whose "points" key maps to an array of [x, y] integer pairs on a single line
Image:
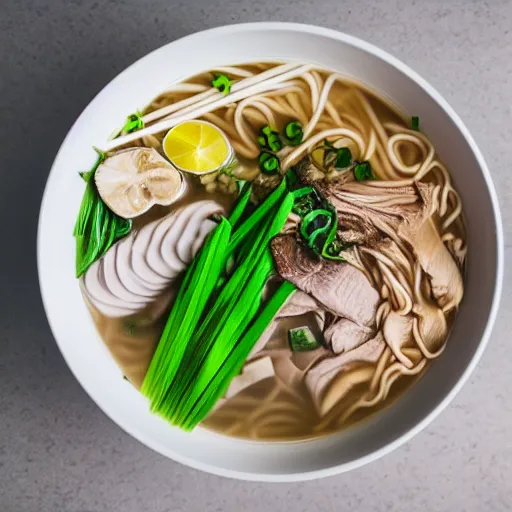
{"points": [[197, 147]]}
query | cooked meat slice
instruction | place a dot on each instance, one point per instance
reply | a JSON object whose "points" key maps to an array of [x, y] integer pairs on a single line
{"points": [[339, 287], [436, 261], [404, 213], [397, 331], [367, 212], [264, 184], [253, 372], [344, 335], [309, 174], [297, 305], [321, 374]]}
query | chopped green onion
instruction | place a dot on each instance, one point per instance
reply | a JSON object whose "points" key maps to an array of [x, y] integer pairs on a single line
{"points": [[319, 225], [269, 139], [133, 123], [301, 339], [363, 171], [222, 83], [340, 158], [221, 312], [343, 158], [415, 123], [243, 199], [311, 228], [293, 133], [269, 163], [236, 359], [303, 206]]}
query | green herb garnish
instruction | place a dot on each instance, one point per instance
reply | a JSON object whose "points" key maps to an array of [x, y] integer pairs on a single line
{"points": [[319, 224], [293, 133], [222, 83], [343, 158], [340, 158], [301, 339], [363, 171], [133, 123], [415, 123], [269, 163], [269, 139], [96, 227], [316, 223]]}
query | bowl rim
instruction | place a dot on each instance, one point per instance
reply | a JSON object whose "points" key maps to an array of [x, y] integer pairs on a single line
{"points": [[493, 311]]}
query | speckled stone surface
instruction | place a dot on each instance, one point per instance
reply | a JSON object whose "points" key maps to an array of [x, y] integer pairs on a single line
{"points": [[58, 451]]}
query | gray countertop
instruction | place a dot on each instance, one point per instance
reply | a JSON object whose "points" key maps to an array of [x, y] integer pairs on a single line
{"points": [[58, 451]]}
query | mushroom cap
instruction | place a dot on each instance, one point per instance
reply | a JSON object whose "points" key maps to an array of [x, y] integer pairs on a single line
{"points": [[130, 182]]}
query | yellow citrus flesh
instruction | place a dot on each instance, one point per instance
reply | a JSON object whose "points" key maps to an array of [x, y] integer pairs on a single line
{"points": [[196, 146]]}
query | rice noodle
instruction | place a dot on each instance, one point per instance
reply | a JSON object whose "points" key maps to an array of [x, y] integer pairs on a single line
{"points": [[210, 103], [295, 155]]}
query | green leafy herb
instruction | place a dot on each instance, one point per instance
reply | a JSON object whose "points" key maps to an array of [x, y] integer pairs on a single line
{"points": [[133, 122], [96, 227], [293, 133], [363, 171], [340, 158], [301, 339], [222, 83], [244, 195], [415, 123], [343, 158], [269, 163], [269, 139]]}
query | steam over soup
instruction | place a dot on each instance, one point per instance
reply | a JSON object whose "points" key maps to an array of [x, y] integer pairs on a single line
{"points": [[270, 251]]}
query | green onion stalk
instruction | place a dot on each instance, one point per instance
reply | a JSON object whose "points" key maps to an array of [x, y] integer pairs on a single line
{"points": [[219, 312]]}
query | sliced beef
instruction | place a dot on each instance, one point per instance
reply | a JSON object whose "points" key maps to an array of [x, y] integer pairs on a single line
{"points": [[397, 331], [436, 261], [339, 287], [344, 335], [309, 174], [321, 374], [366, 214], [369, 212], [298, 304], [253, 372]]}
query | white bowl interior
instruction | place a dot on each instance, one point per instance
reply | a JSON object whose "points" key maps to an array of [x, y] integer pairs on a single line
{"points": [[89, 359]]}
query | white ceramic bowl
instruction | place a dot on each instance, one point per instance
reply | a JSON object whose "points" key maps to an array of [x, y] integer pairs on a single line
{"points": [[88, 358]]}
